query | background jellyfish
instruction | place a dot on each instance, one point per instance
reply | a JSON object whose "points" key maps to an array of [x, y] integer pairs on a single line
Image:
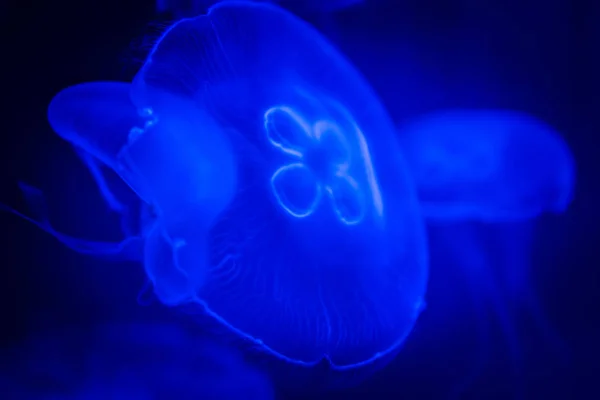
{"points": [[482, 177], [487, 165], [129, 360], [178, 164]]}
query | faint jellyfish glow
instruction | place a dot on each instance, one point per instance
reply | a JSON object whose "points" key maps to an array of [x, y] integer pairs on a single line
{"points": [[119, 361], [190, 366], [487, 165], [320, 158], [495, 261]]}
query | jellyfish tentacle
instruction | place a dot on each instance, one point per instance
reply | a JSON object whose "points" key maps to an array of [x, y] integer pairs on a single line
{"points": [[176, 260], [515, 240], [475, 261], [144, 296], [128, 249], [169, 282], [114, 204], [95, 169]]}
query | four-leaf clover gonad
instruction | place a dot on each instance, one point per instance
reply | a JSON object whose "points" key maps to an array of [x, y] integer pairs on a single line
{"points": [[319, 164]]}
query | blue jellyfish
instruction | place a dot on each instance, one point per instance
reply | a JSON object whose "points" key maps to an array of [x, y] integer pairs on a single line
{"points": [[487, 165], [482, 178], [312, 234], [277, 202], [130, 361], [191, 180]]}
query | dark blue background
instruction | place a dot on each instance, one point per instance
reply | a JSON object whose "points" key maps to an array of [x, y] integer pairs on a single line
{"points": [[536, 56]]}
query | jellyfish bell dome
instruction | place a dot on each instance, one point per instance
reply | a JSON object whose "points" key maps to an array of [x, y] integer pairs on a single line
{"points": [[487, 165], [321, 252]]}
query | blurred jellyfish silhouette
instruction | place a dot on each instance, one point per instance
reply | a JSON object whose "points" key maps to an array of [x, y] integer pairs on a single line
{"points": [[491, 166], [192, 8], [129, 361], [275, 198], [482, 178]]}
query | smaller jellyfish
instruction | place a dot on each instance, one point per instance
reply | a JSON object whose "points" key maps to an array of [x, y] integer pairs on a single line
{"points": [[487, 165], [172, 156], [130, 361], [482, 178]]}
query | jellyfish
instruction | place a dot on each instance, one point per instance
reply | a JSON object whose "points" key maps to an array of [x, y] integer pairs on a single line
{"points": [[280, 207], [104, 127], [483, 177], [118, 360], [487, 165], [186, 180], [312, 234]]}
